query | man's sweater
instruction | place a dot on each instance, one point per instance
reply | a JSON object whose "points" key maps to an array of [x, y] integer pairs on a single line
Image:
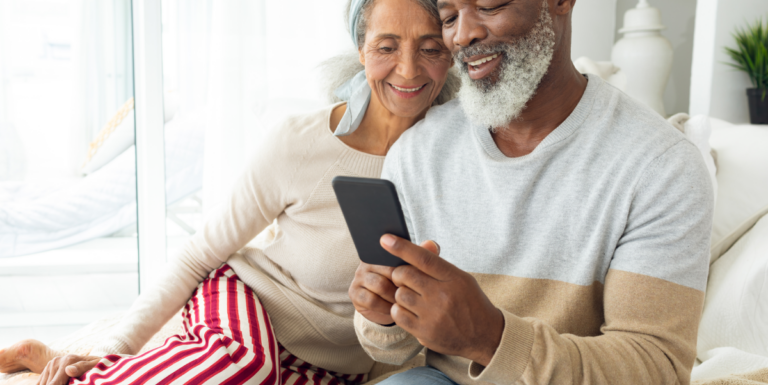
{"points": [[594, 246], [302, 275]]}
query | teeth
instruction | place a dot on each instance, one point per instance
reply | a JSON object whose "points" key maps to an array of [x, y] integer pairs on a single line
{"points": [[483, 60], [407, 89]]}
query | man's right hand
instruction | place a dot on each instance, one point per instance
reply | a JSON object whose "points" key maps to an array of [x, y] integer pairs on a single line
{"points": [[60, 369], [372, 291]]}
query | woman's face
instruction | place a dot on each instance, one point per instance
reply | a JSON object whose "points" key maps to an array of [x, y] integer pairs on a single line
{"points": [[405, 60]]}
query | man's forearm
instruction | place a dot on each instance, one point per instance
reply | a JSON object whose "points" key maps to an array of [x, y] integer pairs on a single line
{"points": [[649, 337]]}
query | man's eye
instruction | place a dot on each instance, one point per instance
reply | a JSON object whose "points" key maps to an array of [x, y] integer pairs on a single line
{"points": [[449, 20]]}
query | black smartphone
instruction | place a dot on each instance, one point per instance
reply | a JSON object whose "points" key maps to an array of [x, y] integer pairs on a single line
{"points": [[371, 209]]}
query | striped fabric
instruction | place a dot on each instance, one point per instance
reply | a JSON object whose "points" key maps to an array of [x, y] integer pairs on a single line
{"points": [[228, 339], [294, 371]]}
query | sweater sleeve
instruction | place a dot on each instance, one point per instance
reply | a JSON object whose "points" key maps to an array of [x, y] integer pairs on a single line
{"points": [[653, 294], [261, 193], [389, 344]]}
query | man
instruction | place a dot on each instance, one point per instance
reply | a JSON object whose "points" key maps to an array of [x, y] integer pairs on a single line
{"points": [[573, 223]]}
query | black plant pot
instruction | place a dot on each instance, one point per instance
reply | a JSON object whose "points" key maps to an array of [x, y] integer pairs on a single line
{"points": [[758, 106]]}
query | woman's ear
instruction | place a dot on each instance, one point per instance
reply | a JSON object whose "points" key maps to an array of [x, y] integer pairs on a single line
{"points": [[362, 56]]}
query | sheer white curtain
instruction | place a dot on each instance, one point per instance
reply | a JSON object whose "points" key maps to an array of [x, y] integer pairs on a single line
{"points": [[247, 63], [103, 66]]}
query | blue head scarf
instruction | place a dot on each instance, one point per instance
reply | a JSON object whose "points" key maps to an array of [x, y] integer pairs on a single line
{"points": [[355, 91]]}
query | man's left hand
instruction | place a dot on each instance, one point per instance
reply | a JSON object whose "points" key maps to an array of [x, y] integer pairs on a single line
{"points": [[441, 305]]}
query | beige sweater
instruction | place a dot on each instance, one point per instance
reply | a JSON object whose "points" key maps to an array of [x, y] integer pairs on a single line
{"points": [[303, 272]]}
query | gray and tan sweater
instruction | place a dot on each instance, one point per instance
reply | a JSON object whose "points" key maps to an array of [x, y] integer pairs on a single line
{"points": [[595, 246], [303, 272]]}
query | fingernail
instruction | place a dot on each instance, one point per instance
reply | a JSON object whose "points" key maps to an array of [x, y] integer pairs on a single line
{"points": [[437, 247], [388, 240]]}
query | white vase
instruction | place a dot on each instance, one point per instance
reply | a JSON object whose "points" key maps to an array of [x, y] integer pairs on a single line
{"points": [[644, 56]]}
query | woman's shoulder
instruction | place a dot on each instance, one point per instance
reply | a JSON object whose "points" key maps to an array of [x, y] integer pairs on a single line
{"points": [[308, 120]]}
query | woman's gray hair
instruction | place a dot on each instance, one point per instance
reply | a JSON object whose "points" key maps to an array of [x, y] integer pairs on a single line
{"points": [[339, 69]]}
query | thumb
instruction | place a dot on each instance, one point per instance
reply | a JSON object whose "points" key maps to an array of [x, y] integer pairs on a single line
{"points": [[432, 246], [79, 368]]}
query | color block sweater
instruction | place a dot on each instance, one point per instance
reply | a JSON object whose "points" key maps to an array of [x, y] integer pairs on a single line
{"points": [[595, 246], [303, 270]]}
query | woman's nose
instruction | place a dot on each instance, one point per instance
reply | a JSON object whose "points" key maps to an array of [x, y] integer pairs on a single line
{"points": [[409, 67], [469, 30]]}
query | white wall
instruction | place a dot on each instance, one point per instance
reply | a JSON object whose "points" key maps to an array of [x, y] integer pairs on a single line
{"points": [[718, 90], [594, 23], [595, 30], [678, 16]]}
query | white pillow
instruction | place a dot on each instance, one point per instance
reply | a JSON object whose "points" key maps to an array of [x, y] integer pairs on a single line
{"points": [[736, 306], [742, 178], [116, 137], [118, 134]]}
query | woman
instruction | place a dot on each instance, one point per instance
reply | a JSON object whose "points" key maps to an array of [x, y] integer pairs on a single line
{"points": [[304, 331]]}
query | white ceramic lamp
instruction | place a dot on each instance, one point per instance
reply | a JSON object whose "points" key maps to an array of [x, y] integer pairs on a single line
{"points": [[644, 56]]}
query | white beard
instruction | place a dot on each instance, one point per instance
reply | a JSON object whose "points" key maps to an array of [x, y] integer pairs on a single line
{"points": [[523, 64]]}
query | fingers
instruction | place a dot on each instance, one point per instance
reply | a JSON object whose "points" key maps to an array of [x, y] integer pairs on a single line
{"points": [[409, 299], [43, 379], [79, 368], [405, 318], [365, 300], [380, 285], [60, 369], [60, 376], [432, 246], [413, 278], [425, 260]]}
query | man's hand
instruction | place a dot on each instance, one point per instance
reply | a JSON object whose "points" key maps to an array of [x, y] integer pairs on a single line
{"points": [[60, 369], [441, 305], [372, 291]]}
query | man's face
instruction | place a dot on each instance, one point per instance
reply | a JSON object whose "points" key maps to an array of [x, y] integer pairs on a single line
{"points": [[503, 49]]}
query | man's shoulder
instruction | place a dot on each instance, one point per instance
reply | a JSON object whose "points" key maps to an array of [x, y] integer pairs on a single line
{"points": [[631, 128], [439, 123]]}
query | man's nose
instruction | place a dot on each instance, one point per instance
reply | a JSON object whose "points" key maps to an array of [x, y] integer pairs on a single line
{"points": [[469, 30]]}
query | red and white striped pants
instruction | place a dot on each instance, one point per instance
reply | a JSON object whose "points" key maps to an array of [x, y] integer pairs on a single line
{"points": [[228, 339]]}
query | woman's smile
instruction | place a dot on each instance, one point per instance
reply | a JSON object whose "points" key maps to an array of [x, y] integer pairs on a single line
{"points": [[407, 92]]}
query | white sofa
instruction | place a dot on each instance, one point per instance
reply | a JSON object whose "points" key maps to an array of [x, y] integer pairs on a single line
{"points": [[733, 334]]}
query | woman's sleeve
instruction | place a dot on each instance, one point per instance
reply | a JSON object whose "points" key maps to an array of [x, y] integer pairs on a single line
{"points": [[261, 193]]}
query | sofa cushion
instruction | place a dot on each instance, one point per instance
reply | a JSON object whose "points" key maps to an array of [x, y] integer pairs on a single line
{"points": [[736, 306], [742, 177]]}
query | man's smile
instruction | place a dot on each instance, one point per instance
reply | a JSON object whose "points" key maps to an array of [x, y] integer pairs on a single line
{"points": [[480, 66]]}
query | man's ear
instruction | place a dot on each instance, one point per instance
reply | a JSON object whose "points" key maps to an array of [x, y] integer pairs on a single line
{"points": [[563, 7]]}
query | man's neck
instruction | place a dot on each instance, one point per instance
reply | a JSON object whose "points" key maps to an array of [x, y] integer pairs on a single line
{"points": [[557, 96]]}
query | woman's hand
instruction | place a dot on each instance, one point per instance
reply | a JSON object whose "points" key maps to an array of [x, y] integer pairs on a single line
{"points": [[372, 291], [60, 369]]}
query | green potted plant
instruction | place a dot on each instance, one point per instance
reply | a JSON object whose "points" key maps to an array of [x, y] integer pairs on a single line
{"points": [[751, 56]]}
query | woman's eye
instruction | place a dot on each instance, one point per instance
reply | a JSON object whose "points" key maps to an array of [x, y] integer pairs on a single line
{"points": [[431, 51], [386, 49]]}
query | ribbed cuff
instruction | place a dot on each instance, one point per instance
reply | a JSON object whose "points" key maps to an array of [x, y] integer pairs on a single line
{"points": [[111, 346], [512, 354], [365, 325]]}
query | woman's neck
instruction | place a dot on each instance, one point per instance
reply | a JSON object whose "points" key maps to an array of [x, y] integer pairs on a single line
{"points": [[379, 129]]}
